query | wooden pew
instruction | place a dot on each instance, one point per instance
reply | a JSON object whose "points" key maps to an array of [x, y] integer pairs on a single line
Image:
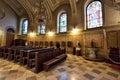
{"points": [[5, 52], [19, 53], [11, 54], [1, 51], [31, 56], [14, 52], [24, 54], [27, 54], [50, 63], [61, 56], [40, 58]]}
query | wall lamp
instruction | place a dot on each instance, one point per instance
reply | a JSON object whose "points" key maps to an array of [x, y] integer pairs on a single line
{"points": [[32, 34], [75, 30]]}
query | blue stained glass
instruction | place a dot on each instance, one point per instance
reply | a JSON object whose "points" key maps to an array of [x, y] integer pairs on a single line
{"points": [[24, 26], [94, 15], [41, 29], [63, 22], [38, 29]]}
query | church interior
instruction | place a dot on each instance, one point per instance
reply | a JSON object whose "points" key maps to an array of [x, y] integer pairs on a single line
{"points": [[59, 39]]}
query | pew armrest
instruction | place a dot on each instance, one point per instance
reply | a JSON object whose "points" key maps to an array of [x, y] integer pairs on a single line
{"points": [[61, 56], [49, 63]]}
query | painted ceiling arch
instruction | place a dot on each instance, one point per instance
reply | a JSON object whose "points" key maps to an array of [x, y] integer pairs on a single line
{"points": [[22, 7], [25, 6]]}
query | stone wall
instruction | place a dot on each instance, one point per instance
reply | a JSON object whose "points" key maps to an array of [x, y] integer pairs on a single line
{"points": [[9, 21], [99, 35]]}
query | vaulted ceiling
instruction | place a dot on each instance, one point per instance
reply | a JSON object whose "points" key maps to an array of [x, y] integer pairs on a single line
{"points": [[21, 7]]}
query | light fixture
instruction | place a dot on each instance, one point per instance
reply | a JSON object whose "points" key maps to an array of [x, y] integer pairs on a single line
{"points": [[75, 23], [50, 33], [39, 12], [74, 31], [32, 34]]}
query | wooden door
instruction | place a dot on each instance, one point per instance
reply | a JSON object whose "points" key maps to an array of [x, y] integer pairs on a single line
{"points": [[9, 39], [0, 39]]}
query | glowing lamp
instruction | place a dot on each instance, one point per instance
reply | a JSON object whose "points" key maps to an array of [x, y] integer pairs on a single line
{"points": [[32, 34], [50, 33]]}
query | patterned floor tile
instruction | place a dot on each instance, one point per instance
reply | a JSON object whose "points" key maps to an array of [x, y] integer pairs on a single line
{"points": [[112, 74], [74, 68], [103, 68], [47, 74], [31, 78], [62, 76], [96, 71], [71, 66], [88, 76], [104, 78], [61, 70], [13, 71], [2, 78]]}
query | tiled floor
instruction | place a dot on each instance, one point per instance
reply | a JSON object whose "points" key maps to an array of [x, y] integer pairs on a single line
{"points": [[74, 68]]}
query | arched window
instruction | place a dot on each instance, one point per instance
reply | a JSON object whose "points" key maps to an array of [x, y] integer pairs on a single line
{"points": [[41, 29], [24, 26], [94, 16], [62, 22]]}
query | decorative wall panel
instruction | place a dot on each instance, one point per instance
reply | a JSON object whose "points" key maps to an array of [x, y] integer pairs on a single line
{"points": [[118, 39], [112, 39], [0, 39], [96, 38]]}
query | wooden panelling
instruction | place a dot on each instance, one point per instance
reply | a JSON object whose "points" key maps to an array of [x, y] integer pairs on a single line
{"points": [[0, 39], [9, 39], [96, 38], [112, 39], [119, 39]]}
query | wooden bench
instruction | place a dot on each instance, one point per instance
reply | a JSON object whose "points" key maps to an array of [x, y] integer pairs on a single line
{"points": [[14, 52], [1, 51], [17, 54], [5, 52], [50, 63], [31, 56], [24, 54], [11, 54], [40, 58]]}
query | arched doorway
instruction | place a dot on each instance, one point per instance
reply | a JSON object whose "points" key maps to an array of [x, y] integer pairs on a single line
{"points": [[10, 36]]}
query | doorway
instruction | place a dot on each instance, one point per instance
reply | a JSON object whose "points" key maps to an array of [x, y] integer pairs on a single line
{"points": [[10, 36]]}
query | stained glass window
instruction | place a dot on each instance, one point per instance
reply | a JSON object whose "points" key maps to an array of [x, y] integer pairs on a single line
{"points": [[24, 26], [62, 22], [94, 15], [41, 29]]}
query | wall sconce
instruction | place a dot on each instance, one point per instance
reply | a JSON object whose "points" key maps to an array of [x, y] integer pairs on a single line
{"points": [[26, 43], [32, 34], [75, 31], [50, 33]]}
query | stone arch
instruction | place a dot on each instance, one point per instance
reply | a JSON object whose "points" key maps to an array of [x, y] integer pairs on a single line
{"points": [[86, 3], [58, 16], [10, 30]]}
